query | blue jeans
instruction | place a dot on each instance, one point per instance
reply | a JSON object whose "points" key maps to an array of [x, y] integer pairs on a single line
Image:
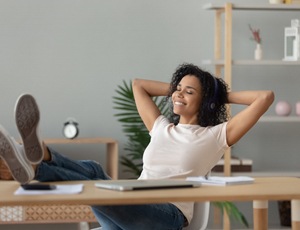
{"points": [[116, 217]]}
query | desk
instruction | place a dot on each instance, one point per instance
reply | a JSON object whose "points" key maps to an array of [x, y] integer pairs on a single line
{"points": [[260, 192], [57, 213]]}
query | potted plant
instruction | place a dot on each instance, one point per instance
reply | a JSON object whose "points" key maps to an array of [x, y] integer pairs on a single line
{"points": [[138, 139]]}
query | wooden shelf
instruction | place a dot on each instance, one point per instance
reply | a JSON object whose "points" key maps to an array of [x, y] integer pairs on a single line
{"points": [[252, 62], [238, 6], [261, 174], [279, 119]]}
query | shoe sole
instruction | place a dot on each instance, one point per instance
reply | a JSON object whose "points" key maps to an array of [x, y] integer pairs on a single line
{"points": [[20, 170], [27, 116]]}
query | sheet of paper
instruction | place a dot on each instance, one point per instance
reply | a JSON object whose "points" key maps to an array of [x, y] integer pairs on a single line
{"points": [[219, 180], [60, 189]]}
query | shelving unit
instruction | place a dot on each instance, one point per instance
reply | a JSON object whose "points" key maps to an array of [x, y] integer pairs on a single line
{"points": [[225, 62]]}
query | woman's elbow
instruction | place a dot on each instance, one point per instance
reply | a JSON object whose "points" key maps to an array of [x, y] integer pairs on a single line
{"points": [[135, 82], [269, 97]]}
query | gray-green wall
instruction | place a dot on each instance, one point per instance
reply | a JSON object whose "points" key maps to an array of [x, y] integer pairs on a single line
{"points": [[72, 54]]}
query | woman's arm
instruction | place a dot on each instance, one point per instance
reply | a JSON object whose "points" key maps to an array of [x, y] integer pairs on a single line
{"points": [[257, 103], [143, 91]]}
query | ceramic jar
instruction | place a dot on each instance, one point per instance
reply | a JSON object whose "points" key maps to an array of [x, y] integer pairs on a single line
{"points": [[297, 108], [283, 108]]}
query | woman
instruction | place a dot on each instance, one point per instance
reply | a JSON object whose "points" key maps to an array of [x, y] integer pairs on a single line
{"points": [[189, 145]]}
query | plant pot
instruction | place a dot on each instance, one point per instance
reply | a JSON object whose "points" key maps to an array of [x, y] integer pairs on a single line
{"points": [[284, 208]]}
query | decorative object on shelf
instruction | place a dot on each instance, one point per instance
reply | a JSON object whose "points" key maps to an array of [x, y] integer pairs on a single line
{"points": [[275, 1], [297, 108], [283, 108], [70, 129], [258, 52], [256, 37], [292, 41]]}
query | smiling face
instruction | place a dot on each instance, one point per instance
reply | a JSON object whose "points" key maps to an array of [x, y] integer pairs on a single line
{"points": [[187, 99]]}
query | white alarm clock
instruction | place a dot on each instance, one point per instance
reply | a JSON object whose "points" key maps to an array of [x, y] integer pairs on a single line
{"points": [[70, 129]]}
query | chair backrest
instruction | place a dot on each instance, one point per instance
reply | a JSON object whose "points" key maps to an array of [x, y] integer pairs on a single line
{"points": [[200, 216]]}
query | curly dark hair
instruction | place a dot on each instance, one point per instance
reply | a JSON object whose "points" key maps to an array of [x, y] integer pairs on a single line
{"points": [[213, 109]]}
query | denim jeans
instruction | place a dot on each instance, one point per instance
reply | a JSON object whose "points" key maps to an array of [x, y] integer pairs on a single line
{"points": [[116, 217]]}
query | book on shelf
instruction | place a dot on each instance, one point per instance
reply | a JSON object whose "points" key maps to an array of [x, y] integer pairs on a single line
{"points": [[222, 180]]}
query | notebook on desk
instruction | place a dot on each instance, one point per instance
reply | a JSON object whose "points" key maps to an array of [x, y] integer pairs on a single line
{"points": [[130, 185]]}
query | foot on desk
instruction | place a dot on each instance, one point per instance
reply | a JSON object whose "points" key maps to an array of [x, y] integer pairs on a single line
{"points": [[27, 116], [13, 155]]}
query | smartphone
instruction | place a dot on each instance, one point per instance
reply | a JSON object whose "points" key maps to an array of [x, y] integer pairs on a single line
{"points": [[38, 186]]}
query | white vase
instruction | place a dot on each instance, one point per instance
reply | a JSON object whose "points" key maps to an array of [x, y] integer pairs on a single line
{"points": [[258, 52]]}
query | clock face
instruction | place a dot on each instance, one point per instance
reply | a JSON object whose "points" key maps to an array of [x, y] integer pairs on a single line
{"points": [[70, 130]]}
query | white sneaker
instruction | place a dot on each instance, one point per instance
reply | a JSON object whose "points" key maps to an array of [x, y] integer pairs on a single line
{"points": [[12, 154], [27, 117]]}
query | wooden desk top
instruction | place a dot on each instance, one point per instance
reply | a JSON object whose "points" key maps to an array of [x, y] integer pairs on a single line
{"points": [[272, 188]]}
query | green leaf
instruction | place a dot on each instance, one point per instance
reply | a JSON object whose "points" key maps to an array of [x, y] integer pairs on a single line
{"points": [[232, 211]]}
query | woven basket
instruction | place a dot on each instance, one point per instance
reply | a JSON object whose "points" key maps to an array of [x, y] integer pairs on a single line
{"points": [[4, 171]]}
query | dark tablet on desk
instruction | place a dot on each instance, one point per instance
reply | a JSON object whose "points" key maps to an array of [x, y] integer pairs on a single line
{"points": [[130, 185]]}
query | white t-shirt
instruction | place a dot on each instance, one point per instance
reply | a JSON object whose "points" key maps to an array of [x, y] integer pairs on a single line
{"points": [[181, 151]]}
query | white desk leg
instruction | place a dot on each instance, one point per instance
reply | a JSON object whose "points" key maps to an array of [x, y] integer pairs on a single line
{"points": [[295, 214], [260, 214]]}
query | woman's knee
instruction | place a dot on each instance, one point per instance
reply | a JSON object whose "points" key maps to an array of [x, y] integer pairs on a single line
{"points": [[96, 169]]}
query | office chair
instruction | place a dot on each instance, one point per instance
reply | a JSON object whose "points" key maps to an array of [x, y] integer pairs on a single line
{"points": [[200, 217]]}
